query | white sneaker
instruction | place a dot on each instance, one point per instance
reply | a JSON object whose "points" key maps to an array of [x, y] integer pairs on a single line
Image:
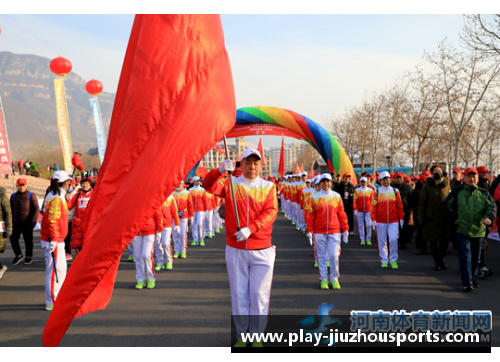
{"points": [[3, 270]]}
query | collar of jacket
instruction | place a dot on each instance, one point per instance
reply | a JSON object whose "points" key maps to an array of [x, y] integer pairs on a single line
{"points": [[249, 183]]}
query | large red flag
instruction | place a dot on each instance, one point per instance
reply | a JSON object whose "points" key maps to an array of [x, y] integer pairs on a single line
{"points": [[297, 169], [281, 168], [311, 173], [261, 151], [175, 100]]}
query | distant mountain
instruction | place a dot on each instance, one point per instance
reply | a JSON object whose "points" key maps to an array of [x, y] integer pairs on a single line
{"points": [[27, 91]]}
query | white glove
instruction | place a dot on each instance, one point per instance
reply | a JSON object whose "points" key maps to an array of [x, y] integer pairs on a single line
{"points": [[310, 237], [243, 234], [401, 223], [356, 213], [345, 235], [226, 165], [374, 225]]}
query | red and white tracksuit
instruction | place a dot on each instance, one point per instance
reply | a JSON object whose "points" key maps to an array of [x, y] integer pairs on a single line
{"points": [[327, 220], [185, 209], [199, 198], [143, 248], [362, 208], [209, 214], [163, 245], [301, 223], [54, 227], [387, 210], [250, 263], [79, 201]]}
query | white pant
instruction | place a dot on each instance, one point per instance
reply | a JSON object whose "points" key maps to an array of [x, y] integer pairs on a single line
{"points": [[197, 226], [250, 280], [384, 231], [216, 219], [52, 286], [179, 234], [143, 255], [164, 243], [209, 219], [364, 217], [302, 223], [130, 250], [328, 244]]}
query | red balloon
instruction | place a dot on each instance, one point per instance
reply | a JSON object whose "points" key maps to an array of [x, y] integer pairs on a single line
{"points": [[93, 87], [61, 66]]}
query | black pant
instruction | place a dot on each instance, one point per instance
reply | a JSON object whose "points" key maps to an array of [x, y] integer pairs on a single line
{"points": [[404, 232], [349, 210], [439, 247], [26, 229], [67, 240]]}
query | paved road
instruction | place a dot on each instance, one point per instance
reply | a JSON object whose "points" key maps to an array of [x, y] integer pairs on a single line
{"points": [[191, 304]]}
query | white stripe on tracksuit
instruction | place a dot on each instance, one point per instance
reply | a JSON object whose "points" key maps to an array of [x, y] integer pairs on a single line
{"points": [[328, 247], [179, 234], [384, 230], [52, 286], [143, 255], [364, 216], [250, 281]]}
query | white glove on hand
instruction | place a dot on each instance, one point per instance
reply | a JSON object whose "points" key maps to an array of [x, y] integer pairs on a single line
{"points": [[374, 225], [356, 213], [401, 223], [225, 166], [243, 234], [345, 235]]}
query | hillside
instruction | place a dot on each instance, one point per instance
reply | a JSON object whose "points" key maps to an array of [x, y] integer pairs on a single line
{"points": [[27, 91]]}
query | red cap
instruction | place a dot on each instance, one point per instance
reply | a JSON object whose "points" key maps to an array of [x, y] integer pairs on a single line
{"points": [[346, 175], [377, 174], [482, 169], [470, 170], [373, 177], [393, 175], [21, 181], [407, 179], [457, 170], [400, 174]]}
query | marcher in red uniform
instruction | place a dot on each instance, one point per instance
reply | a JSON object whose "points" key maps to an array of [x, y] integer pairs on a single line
{"points": [[327, 220], [249, 251], [185, 209], [163, 243], [52, 235], [362, 210], [200, 204], [80, 200], [143, 251], [387, 217]]}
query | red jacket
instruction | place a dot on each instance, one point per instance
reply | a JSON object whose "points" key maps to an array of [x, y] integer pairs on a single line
{"points": [[326, 214], [211, 203], [199, 197], [169, 213], [184, 201], [153, 225], [55, 218], [257, 208], [363, 199], [80, 200], [387, 207]]}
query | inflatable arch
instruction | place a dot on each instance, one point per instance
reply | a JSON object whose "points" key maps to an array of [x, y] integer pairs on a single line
{"points": [[273, 121]]}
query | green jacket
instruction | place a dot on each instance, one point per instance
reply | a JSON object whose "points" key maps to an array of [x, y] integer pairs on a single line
{"points": [[5, 216], [468, 206]]}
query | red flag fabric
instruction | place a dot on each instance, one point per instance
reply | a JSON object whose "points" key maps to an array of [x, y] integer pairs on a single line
{"points": [[302, 168], [175, 85], [281, 168], [311, 173], [261, 151], [297, 168]]}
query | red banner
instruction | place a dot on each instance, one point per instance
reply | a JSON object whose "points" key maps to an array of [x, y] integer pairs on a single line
{"points": [[5, 163]]}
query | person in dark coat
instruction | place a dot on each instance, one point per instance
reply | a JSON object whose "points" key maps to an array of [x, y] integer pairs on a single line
{"points": [[405, 192], [25, 210], [420, 242], [6, 221], [484, 183], [346, 191], [430, 214]]}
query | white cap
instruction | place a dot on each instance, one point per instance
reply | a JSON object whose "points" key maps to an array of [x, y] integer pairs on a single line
{"points": [[250, 152], [308, 180], [61, 176], [384, 174], [304, 173], [316, 179], [324, 176], [196, 178], [363, 179]]}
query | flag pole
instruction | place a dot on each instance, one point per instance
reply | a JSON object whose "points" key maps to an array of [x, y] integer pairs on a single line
{"points": [[231, 187]]}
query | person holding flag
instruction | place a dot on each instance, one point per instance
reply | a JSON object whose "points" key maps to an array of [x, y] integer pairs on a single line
{"points": [[327, 220], [200, 204], [250, 254], [52, 234]]}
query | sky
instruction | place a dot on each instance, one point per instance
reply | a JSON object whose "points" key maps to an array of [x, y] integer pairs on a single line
{"points": [[314, 64]]}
